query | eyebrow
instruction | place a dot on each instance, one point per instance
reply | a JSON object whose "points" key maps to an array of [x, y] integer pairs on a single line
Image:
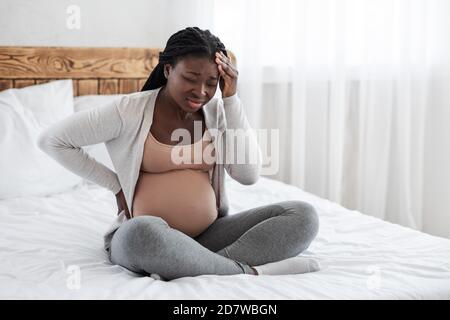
{"points": [[196, 73]]}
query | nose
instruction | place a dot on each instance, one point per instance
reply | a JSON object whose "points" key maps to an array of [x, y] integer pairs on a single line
{"points": [[200, 91]]}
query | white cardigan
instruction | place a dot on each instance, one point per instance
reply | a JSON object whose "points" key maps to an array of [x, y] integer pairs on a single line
{"points": [[123, 126]]}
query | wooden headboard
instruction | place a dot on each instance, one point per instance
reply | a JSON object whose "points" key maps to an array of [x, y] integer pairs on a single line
{"points": [[93, 70]]}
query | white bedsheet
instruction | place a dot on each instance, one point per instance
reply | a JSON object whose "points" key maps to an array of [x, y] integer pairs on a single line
{"points": [[45, 241]]}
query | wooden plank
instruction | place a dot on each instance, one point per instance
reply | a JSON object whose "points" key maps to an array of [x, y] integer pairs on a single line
{"points": [[87, 87], [76, 62], [40, 81], [23, 83], [75, 87], [128, 85], [6, 84], [141, 83], [109, 86]]}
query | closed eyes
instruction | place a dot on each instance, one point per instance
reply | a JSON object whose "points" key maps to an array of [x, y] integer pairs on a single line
{"points": [[193, 81]]}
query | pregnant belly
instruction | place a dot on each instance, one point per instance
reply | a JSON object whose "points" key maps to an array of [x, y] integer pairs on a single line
{"points": [[184, 198]]}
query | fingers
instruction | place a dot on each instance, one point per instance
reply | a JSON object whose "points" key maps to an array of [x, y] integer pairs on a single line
{"points": [[225, 66]]}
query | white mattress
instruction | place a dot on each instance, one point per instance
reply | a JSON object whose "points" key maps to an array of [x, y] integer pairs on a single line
{"points": [[43, 240]]}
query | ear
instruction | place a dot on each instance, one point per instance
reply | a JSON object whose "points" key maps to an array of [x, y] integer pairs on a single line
{"points": [[166, 70]]}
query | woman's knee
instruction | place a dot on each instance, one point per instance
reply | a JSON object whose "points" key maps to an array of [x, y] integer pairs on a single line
{"points": [[308, 218], [142, 235]]}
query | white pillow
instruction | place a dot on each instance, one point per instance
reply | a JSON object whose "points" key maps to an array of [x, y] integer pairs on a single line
{"points": [[98, 151], [25, 170]]}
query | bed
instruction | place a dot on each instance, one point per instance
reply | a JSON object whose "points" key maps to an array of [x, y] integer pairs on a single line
{"points": [[51, 247]]}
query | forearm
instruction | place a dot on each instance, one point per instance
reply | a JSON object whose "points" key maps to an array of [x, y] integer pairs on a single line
{"points": [[240, 144], [79, 162], [63, 141]]}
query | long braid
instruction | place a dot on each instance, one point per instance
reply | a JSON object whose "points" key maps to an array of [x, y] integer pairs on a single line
{"points": [[189, 41]]}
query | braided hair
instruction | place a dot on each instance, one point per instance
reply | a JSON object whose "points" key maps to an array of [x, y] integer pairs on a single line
{"points": [[189, 41]]}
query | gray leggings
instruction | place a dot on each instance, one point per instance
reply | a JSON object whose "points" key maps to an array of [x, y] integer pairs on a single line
{"points": [[268, 233]]}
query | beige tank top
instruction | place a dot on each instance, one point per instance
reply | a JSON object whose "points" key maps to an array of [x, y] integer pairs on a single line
{"points": [[174, 184]]}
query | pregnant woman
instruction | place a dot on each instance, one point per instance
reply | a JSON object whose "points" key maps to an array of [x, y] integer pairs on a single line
{"points": [[173, 216]]}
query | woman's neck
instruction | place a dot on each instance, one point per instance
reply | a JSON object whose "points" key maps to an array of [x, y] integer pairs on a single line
{"points": [[172, 108]]}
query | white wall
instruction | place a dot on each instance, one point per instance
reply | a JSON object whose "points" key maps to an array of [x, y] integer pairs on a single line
{"points": [[131, 23]]}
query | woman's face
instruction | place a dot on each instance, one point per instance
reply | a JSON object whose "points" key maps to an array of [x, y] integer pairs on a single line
{"points": [[193, 79]]}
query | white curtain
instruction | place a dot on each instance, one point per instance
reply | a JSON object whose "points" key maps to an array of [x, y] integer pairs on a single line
{"points": [[359, 91], [354, 87]]}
